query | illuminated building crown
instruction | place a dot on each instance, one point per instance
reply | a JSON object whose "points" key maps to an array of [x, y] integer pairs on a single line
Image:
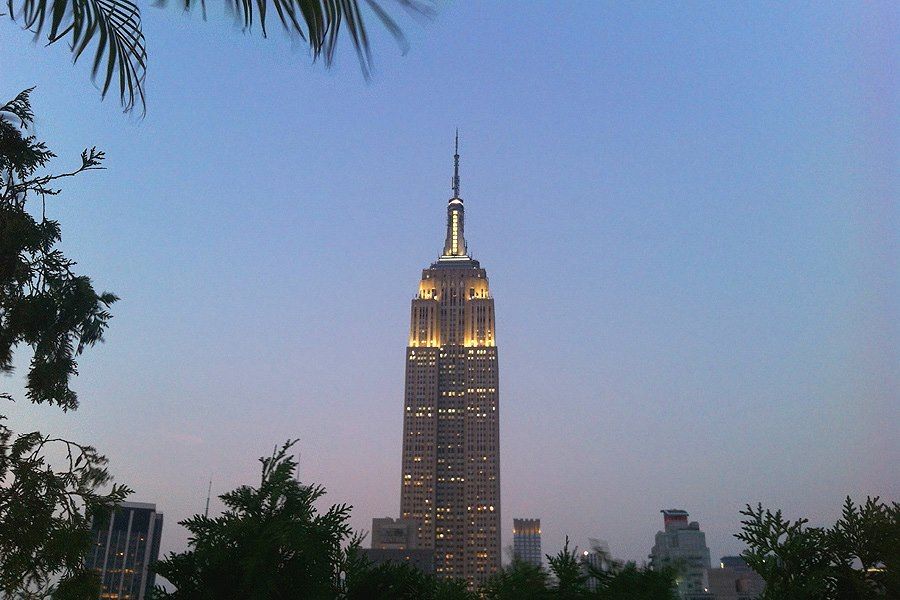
{"points": [[455, 244]]}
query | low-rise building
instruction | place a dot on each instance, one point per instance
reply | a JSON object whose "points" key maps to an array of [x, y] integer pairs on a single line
{"points": [[397, 541], [394, 534], [735, 580]]}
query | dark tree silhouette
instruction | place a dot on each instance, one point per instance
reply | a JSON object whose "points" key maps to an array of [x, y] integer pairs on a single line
{"points": [[45, 506], [270, 543], [518, 581], [396, 581], [857, 558], [577, 579]]}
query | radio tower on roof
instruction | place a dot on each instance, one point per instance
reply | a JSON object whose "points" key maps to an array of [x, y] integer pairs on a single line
{"points": [[455, 183]]}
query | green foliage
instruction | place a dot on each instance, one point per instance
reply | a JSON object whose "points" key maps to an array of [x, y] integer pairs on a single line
{"points": [[43, 303], [395, 581], [518, 581], [363, 581], [113, 29], [576, 579], [857, 558], [270, 543], [571, 578], [44, 513], [629, 582]]}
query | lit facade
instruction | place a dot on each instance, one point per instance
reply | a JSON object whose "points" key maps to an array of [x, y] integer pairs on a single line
{"points": [[124, 551], [527, 541], [451, 432]]}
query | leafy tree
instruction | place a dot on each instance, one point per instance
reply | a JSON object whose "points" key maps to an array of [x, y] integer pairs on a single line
{"points": [[571, 578], [270, 543], [44, 513], [113, 28], [387, 581], [395, 581], [576, 578], [518, 581], [453, 589], [857, 558], [629, 582]]}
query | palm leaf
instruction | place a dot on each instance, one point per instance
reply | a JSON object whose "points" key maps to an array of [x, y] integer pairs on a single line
{"points": [[120, 54], [319, 22], [113, 29]]}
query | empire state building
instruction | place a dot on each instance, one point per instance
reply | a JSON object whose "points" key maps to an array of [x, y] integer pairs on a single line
{"points": [[451, 420]]}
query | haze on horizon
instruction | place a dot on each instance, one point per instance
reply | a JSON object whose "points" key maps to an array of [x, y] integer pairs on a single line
{"points": [[688, 215]]}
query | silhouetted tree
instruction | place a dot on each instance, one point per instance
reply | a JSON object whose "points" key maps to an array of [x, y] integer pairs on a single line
{"points": [[577, 579], [571, 578], [517, 581], [45, 506], [113, 29], [629, 582], [396, 581], [857, 558], [364, 581], [270, 543]]}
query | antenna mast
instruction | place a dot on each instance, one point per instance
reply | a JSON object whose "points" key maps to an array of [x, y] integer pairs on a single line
{"points": [[208, 492], [456, 167]]}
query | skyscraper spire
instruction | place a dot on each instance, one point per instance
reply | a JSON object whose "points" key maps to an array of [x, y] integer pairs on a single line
{"points": [[455, 243], [456, 167]]}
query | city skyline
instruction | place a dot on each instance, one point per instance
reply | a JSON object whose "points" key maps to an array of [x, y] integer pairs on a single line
{"points": [[695, 240]]}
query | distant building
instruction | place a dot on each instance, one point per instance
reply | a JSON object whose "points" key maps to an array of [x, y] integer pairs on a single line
{"points": [[597, 559], [394, 534], [125, 549], [527, 541], [682, 546], [735, 580], [397, 541]]}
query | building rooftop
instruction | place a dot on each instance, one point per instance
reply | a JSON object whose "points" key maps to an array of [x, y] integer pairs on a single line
{"points": [[147, 505]]}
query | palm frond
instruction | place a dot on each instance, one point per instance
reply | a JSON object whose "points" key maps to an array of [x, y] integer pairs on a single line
{"points": [[113, 29], [319, 22], [120, 52]]}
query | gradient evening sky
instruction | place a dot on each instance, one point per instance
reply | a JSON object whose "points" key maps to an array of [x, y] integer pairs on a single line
{"points": [[688, 214]]}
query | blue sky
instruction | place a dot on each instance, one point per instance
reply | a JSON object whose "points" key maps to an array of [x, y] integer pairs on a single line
{"points": [[688, 212]]}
